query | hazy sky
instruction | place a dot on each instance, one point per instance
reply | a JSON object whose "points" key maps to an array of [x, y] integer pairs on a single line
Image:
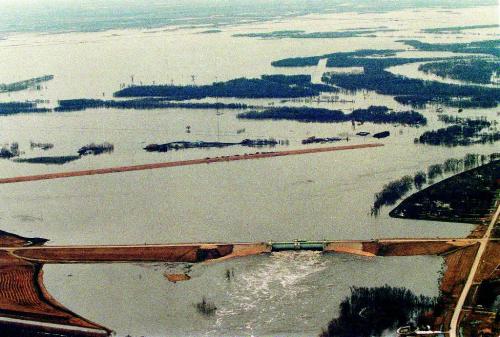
{"points": [[95, 15]]}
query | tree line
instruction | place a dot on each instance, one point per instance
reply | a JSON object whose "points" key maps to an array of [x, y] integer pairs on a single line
{"points": [[468, 70], [416, 92], [141, 103], [270, 86], [373, 114], [12, 108], [395, 190]]}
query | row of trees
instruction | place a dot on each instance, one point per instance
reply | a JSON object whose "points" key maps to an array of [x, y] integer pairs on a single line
{"points": [[12, 108], [300, 34], [142, 103], [456, 29], [52, 160], [265, 87], [25, 84], [370, 60], [395, 190], [313, 60], [475, 47], [465, 197], [416, 92], [96, 149], [373, 114], [182, 145]]}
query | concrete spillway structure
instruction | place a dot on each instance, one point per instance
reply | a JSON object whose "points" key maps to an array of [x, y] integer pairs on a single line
{"points": [[298, 245]]}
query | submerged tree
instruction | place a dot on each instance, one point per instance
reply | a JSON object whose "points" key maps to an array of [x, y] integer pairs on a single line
{"points": [[453, 165], [419, 179], [368, 312], [205, 307], [9, 152], [471, 160], [96, 149], [391, 193], [434, 171], [464, 132]]}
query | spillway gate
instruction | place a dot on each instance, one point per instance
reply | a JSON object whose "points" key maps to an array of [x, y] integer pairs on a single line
{"points": [[298, 245]]}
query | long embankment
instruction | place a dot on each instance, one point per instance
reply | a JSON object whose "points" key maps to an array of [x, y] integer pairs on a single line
{"points": [[200, 252], [258, 155]]}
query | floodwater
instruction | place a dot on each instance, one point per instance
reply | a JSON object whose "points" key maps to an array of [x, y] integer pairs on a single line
{"points": [[316, 196], [284, 294]]}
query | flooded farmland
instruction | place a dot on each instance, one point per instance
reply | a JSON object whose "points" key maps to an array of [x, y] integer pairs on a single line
{"points": [[322, 196]]}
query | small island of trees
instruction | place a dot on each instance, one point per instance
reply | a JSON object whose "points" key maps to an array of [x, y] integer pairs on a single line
{"points": [[25, 84], [268, 86], [373, 114], [300, 34], [182, 145], [13, 152], [96, 149], [10, 151], [48, 160], [473, 70], [463, 132]]}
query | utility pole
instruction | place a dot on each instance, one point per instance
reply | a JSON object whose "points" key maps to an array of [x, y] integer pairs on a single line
{"points": [[217, 114]]}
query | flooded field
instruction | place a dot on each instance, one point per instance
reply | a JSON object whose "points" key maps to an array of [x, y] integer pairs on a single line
{"points": [[310, 197], [285, 294]]}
